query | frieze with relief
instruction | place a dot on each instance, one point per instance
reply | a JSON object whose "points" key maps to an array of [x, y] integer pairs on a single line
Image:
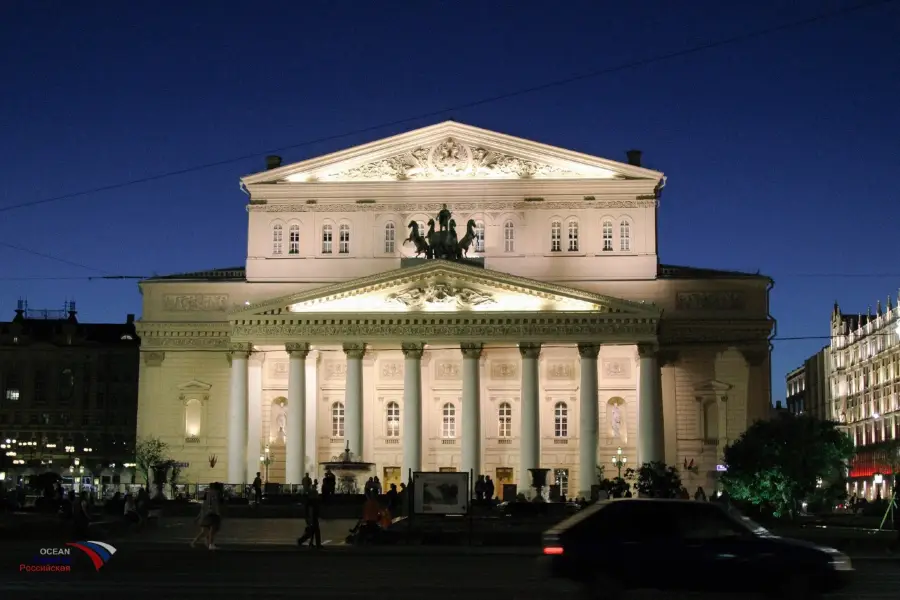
{"points": [[279, 370], [504, 370], [441, 294], [616, 368], [447, 370], [723, 301], [335, 369], [448, 159], [430, 207], [185, 342], [196, 302], [391, 370], [560, 370]]}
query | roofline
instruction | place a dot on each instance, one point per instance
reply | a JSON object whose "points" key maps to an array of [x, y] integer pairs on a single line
{"points": [[223, 274], [717, 273]]}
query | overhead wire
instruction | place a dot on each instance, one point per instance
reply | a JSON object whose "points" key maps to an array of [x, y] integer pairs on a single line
{"points": [[471, 104]]}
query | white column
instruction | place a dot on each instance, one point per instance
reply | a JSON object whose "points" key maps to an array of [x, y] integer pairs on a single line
{"points": [[237, 415], [529, 438], [589, 423], [412, 409], [254, 416], [353, 398], [295, 461], [651, 446], [471, 409]]}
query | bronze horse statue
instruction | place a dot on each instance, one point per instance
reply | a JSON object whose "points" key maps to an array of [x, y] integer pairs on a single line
{"points": [[416, 238], [467, 239]]}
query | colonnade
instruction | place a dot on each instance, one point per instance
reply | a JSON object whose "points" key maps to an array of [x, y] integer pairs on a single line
{"points": [[244, 447]]}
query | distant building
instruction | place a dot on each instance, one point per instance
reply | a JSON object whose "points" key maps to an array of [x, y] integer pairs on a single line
{"points": [[69, 395], [777, 409], [865, 382], [808, 389]]}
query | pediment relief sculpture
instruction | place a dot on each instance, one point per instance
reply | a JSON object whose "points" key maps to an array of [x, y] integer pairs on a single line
{"points": [[436, 295], [449, 159]]}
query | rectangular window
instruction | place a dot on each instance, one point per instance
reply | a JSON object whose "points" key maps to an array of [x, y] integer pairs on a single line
{"points": [[389, 239], [40, 387], [326, 239], [607, 236], [344, 242], [479, 236], [561, 478], [556, 237], [294, 240], [573, 236], [624, 236]]}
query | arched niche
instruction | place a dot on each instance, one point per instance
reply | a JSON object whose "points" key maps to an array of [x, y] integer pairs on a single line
{"points": [[616, 419], [194, 398], [712, 421], [278, 432]]}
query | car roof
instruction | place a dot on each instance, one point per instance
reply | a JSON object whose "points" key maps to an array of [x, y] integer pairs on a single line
{"points": [[594, 508]]}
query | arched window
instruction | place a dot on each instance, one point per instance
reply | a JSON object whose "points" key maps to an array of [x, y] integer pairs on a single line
{"points": [[327, 238], [561, 420], [573, 236], [392, 414], [337, 420], [448, 424], [277, 237], [294, 239], [556, 236], [504, 420], [607, 235], [625, 236], [509, 237], [390, 237], [344, 239], [479, 236]]}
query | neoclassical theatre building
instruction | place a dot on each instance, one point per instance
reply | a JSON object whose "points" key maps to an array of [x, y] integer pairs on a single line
{"points": [[453, 298]]}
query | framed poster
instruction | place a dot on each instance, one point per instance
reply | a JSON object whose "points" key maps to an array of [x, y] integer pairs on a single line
{"points": [[441, 493]]}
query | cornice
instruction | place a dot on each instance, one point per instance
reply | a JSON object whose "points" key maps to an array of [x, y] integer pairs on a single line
{"points": [[738, 333], [519, 189], [499, 206], [184, 335]]}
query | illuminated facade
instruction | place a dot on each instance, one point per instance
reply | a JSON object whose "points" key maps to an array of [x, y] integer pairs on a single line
{"points": [[558, 339], [865, 385]]}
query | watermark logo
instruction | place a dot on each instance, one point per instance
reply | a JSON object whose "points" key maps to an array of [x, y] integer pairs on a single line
{"points": [[59, 560], [98, 552]]}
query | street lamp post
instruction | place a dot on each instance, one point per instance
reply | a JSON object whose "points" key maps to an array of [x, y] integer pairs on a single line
{"points": [[267, 459], [619, 461]]}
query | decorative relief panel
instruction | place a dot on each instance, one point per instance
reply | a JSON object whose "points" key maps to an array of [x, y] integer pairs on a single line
{"points": [[433, 207], [448, 369], [504, 370], [560, 369], [278, 370], [335, 369], [196, 302], [710, 301], [441, 294], [616, 368], [391, 369]]}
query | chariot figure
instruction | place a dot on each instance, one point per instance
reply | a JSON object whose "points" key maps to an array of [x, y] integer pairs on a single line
{"points": [[444, 218]]}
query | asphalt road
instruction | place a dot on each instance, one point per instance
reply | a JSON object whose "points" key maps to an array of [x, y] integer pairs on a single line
{"points": [[153, 571]]}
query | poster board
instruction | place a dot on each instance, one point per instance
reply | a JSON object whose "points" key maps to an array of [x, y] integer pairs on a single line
{"points": [[441, 493]]}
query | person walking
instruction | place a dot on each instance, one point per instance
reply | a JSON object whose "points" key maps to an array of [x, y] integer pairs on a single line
{"points": [[312, 533], [210, 517]]}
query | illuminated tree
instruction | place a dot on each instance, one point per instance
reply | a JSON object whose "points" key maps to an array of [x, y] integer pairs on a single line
{"points": [[777, 463], [149, 454]]}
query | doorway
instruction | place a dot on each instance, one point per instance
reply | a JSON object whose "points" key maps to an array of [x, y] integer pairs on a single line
{"points": [[503, 476]]}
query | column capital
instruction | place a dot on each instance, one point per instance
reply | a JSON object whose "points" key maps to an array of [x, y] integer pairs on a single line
{"points": [[647, 350], [154, 359], [755, 356], [297, 350], [257, 359], [413, 350], [242, 350], [588, 350], [471, 350], [355, 350], [530, 349]]}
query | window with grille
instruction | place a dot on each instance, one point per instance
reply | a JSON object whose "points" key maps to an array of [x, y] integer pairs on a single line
{"points": [[607, 236], [448, 423], [561, 420], [504, 420], [294, 239], [392, 414], [625, 236], [276, 238], [561, 478], [573, 236], [556, 236], [344, 241], [509, 237], [390, 237], [479, 236], [327, 238], [337, 420]]}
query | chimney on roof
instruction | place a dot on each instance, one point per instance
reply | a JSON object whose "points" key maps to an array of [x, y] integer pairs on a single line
{"points": [[129, 319], [272, 162], [634, 157]]}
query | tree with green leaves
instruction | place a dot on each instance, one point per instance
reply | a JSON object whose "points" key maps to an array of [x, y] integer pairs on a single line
{"points": [[777, 463], [150, 453], [656, 480]]}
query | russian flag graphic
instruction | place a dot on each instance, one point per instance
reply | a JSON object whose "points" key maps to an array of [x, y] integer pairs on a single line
{"points": [[98, 552]]}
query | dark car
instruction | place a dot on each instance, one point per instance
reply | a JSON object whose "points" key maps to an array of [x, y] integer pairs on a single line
{"points": [[684, 545]]}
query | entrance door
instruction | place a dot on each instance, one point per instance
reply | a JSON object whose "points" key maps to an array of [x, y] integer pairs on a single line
{"points": [[391, 475], [504, 475]]}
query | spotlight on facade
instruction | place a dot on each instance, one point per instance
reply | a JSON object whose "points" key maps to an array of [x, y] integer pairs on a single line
{"points": [[876, 416], [879, 478]]}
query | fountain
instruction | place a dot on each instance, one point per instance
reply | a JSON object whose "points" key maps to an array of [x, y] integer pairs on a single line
{"points": [[538, 482], [347, 467]]}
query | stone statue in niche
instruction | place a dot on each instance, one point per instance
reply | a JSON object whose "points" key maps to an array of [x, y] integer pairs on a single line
{"points": [[616, 414], [279, 422], [616, 418]]}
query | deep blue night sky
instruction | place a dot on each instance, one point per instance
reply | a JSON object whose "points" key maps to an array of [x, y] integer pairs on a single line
{"points": [[782, 152]]}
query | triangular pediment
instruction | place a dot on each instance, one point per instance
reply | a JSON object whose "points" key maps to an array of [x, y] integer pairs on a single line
{"points": [[194, 385], [439, 286], [450, 151], [712, 387]]}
